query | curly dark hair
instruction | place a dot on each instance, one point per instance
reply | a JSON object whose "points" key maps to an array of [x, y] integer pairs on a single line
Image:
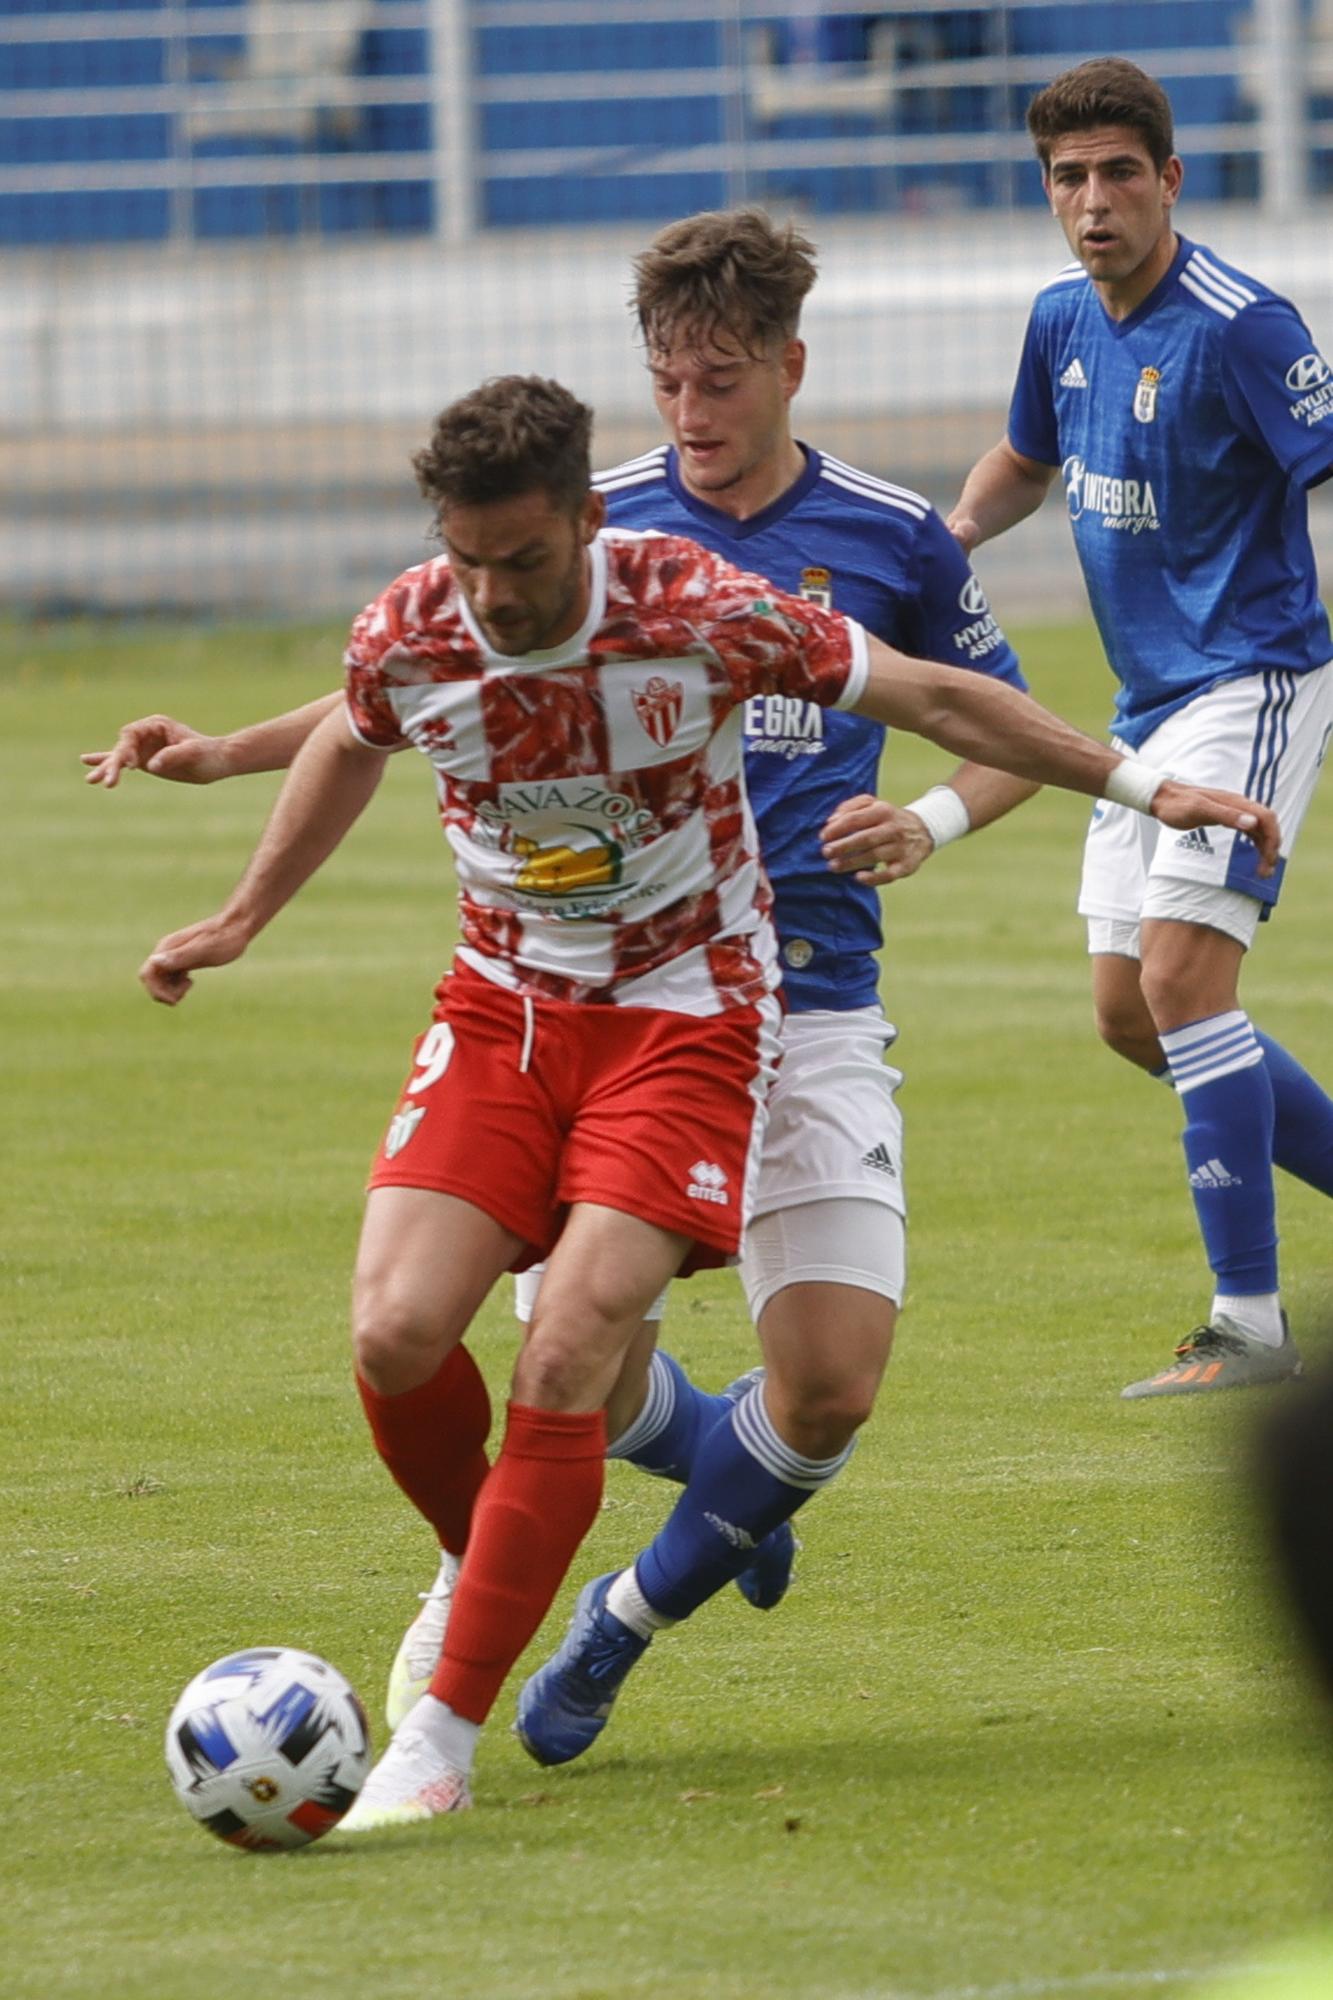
{"points": [[513, 435], [1106, 91], [734, 270]]}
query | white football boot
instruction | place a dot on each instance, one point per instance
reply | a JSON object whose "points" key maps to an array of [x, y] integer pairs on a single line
{"points": [[423, 1642], [414, 1779]]}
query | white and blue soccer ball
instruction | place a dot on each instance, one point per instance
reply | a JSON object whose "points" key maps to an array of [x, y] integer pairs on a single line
{"points": [[268, 1748]]}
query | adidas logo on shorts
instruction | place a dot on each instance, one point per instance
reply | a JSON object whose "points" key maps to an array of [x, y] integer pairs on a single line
{"points": [[1196, 841], [881, 1159]]}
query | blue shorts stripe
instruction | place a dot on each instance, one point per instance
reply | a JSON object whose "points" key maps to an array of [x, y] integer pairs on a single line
{"points": [[1284, 738], [1271, 729], [1260, 730]]}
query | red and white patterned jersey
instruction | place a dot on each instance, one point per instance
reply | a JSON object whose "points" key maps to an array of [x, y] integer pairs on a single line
{"points": [[593, 794]]}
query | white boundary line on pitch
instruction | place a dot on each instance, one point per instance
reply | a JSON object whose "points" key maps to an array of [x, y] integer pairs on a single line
{"points": [[1149, 1980]]}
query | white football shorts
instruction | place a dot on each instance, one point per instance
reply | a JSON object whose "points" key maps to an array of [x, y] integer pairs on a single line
{"points": [[1266, 736], [830, 1206]]}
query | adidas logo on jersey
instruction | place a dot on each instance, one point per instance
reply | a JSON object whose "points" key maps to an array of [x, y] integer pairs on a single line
{"points": [[1196, 841], [708, 1183], [1212, 1174], [881, 1159], [1073, 377]]}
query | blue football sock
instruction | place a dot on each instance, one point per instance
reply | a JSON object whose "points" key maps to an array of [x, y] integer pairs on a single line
{"points": [[745, 1483], [1219, 1070], [1303, 1118], [665, 1436]]}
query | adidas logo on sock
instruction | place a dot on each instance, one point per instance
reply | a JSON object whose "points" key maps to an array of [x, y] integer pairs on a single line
{"points": [[1073, 377], [1196, 841], [1212, 1174], [738, 1537], [881, 1159]]}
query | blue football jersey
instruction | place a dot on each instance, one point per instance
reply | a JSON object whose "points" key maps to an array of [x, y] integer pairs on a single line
{"points": [[1188, 434], [883, 556]]}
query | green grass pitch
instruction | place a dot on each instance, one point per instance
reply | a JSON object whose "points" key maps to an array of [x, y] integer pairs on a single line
{"points": [[1029, 1724]]}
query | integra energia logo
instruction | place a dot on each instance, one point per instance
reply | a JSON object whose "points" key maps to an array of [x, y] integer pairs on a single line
{"points": [[1128, 505]]}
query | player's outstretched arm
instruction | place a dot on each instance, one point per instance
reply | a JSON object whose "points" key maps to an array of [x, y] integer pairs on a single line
{"points": [[1002, 488], [881, 843], [988, 722], [328, 787], [166, 748]]}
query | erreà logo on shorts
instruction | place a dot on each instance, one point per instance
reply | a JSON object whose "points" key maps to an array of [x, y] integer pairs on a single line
{"points": [[1126, 504], [708, 1183], [401, 1127]]}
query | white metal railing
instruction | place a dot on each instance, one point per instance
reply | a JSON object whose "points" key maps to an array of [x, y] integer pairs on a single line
{"points": [[303, 78]]}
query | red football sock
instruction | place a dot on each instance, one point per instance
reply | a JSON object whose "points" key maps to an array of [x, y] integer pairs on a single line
{"points": [[432, 1438], [539, 1502]]}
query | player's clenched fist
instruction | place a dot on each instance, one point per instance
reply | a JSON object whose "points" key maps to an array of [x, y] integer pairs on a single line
{"points": [[167, 969]]}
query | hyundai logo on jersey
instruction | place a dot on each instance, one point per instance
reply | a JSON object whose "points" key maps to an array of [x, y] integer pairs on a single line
{"points": [[1307, 374]]}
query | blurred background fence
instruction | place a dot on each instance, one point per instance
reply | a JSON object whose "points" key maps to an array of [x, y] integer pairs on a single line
{"points": [[248, 247]]}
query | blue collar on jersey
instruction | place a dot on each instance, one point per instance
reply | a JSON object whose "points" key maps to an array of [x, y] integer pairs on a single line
{"points": [[754, 524], [1118, 328]]}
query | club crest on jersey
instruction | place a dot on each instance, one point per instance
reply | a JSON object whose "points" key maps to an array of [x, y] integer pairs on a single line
{"points": [[1145, 395], [658, 707], [817, 586]]}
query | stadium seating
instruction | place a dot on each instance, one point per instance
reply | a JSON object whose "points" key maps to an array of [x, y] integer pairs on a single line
{"points": [[288, 117]]}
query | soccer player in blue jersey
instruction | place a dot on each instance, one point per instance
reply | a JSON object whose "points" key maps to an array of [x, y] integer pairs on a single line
{"points": [[718, 300], [1187, 411]]}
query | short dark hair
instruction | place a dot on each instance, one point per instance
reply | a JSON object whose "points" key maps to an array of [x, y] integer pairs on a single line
{"points": [[1106, 91], [734, 270], [513, 435]]}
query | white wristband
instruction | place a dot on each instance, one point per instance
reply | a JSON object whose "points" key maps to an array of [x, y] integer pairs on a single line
{"points": [[944, 814], [1133, 783]]}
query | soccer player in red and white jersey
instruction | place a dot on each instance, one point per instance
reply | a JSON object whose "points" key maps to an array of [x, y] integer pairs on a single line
{"points": [[591, 1088]]}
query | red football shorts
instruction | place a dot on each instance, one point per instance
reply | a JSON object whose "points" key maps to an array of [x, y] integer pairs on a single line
{"points": [[523, 1107]]}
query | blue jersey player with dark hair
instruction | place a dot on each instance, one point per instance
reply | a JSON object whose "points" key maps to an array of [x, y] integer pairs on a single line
{"points": [[1188, 411]]}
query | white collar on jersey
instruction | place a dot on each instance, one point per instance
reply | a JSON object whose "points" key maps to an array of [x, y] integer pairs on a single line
{"points": [[572, 649]]}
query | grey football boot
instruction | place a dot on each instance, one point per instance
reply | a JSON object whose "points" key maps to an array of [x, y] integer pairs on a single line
{"points": [[1221, 1356]]}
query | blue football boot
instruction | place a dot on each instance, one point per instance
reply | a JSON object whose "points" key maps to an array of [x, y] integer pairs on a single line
{"points": [[564, 1707], [765, 1582]]}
